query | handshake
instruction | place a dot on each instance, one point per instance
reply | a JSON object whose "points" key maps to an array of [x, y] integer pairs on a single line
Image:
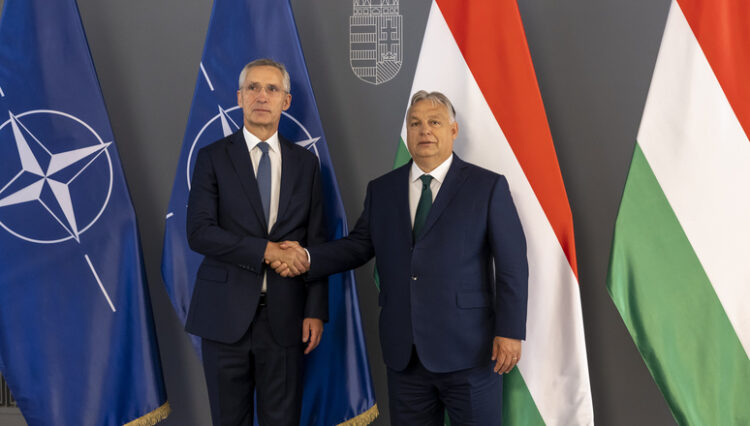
{"points": [[287, 258]]}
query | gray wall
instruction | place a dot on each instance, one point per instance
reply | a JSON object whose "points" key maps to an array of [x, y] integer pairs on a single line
{"points": [[593, 59]]}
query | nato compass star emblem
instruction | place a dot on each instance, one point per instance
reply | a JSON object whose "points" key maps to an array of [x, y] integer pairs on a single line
{"points": [[45, 179], [50, 194]]}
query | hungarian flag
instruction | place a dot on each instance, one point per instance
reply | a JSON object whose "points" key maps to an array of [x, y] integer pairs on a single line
{"points": [[476, 53], [680, 265]]}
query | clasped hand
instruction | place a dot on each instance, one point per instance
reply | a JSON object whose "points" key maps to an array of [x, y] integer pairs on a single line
{"points": [[287, 258]]}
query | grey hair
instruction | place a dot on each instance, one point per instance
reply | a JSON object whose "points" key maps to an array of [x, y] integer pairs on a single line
{"points": [[265, 62], [435, 98]]}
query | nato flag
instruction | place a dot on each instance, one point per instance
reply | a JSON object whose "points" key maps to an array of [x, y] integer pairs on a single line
{"points": [[337, 384], [77, 343]]}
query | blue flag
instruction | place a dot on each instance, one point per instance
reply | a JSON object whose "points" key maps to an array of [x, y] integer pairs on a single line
{"points": [[337, 383], [77, 342]]}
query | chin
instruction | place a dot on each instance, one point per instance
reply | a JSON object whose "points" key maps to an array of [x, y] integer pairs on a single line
{"points": [[262, 122], [426, 153]]}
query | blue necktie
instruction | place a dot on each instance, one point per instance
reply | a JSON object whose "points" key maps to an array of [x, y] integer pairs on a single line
{"points": [[264, 178], [423, 207]]}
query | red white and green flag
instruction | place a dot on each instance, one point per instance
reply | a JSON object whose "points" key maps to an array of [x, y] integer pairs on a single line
{"points": [[476, 53], [680, 265]]}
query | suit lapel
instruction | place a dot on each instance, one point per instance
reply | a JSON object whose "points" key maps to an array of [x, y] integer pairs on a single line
{"points": [[401, 196], [243, 166], [288, 177], [453, 179]]}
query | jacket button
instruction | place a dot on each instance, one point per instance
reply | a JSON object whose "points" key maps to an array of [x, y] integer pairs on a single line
{"points": [[413, 277]]}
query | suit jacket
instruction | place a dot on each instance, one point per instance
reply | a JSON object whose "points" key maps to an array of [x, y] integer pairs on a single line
{"points": [[225, 223], [440, 293]]}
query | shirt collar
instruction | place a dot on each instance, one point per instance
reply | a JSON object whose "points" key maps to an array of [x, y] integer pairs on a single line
{"points": [[438, 173], [251, 140]]}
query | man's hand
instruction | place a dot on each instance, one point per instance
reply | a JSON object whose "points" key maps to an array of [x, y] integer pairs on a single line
{"points": [[292, 259], [312, 332], [506, 353], [284, 269]]}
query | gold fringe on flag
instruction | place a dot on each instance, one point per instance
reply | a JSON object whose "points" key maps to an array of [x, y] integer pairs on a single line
{"points": [[153, 417], [363, 419]]}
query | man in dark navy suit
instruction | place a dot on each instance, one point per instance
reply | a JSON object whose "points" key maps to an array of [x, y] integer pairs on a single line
{"points": [[451, 255], [250, 190]]}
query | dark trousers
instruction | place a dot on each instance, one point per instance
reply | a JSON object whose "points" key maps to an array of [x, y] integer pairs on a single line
{"points": [[418, 397], [254, 363]]}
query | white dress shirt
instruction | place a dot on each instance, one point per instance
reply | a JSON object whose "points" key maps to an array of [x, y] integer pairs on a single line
{"points": [[274, 154], [415, 184]]}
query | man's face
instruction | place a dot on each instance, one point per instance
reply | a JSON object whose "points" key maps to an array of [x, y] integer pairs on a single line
{"points": [[263, 98], [430, 133]]}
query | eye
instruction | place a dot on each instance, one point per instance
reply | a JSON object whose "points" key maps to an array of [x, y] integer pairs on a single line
{"points": [[272, 89], [253, 87], [435, 123], [414, 123]]}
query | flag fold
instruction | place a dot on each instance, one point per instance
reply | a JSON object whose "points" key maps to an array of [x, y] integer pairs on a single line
{"points": [[337, 383], [678, 270], [485, 69], [77, 339]]}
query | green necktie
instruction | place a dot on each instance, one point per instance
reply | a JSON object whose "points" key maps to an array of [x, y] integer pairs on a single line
{"points": [[423, 208]]}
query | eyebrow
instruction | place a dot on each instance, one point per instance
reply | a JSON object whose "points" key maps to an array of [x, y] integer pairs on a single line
{"points": [[265, 84], [412, 117]]}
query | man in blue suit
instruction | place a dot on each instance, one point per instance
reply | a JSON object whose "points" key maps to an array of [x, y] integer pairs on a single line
{"points": [[451, 256], [249, 190]]}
